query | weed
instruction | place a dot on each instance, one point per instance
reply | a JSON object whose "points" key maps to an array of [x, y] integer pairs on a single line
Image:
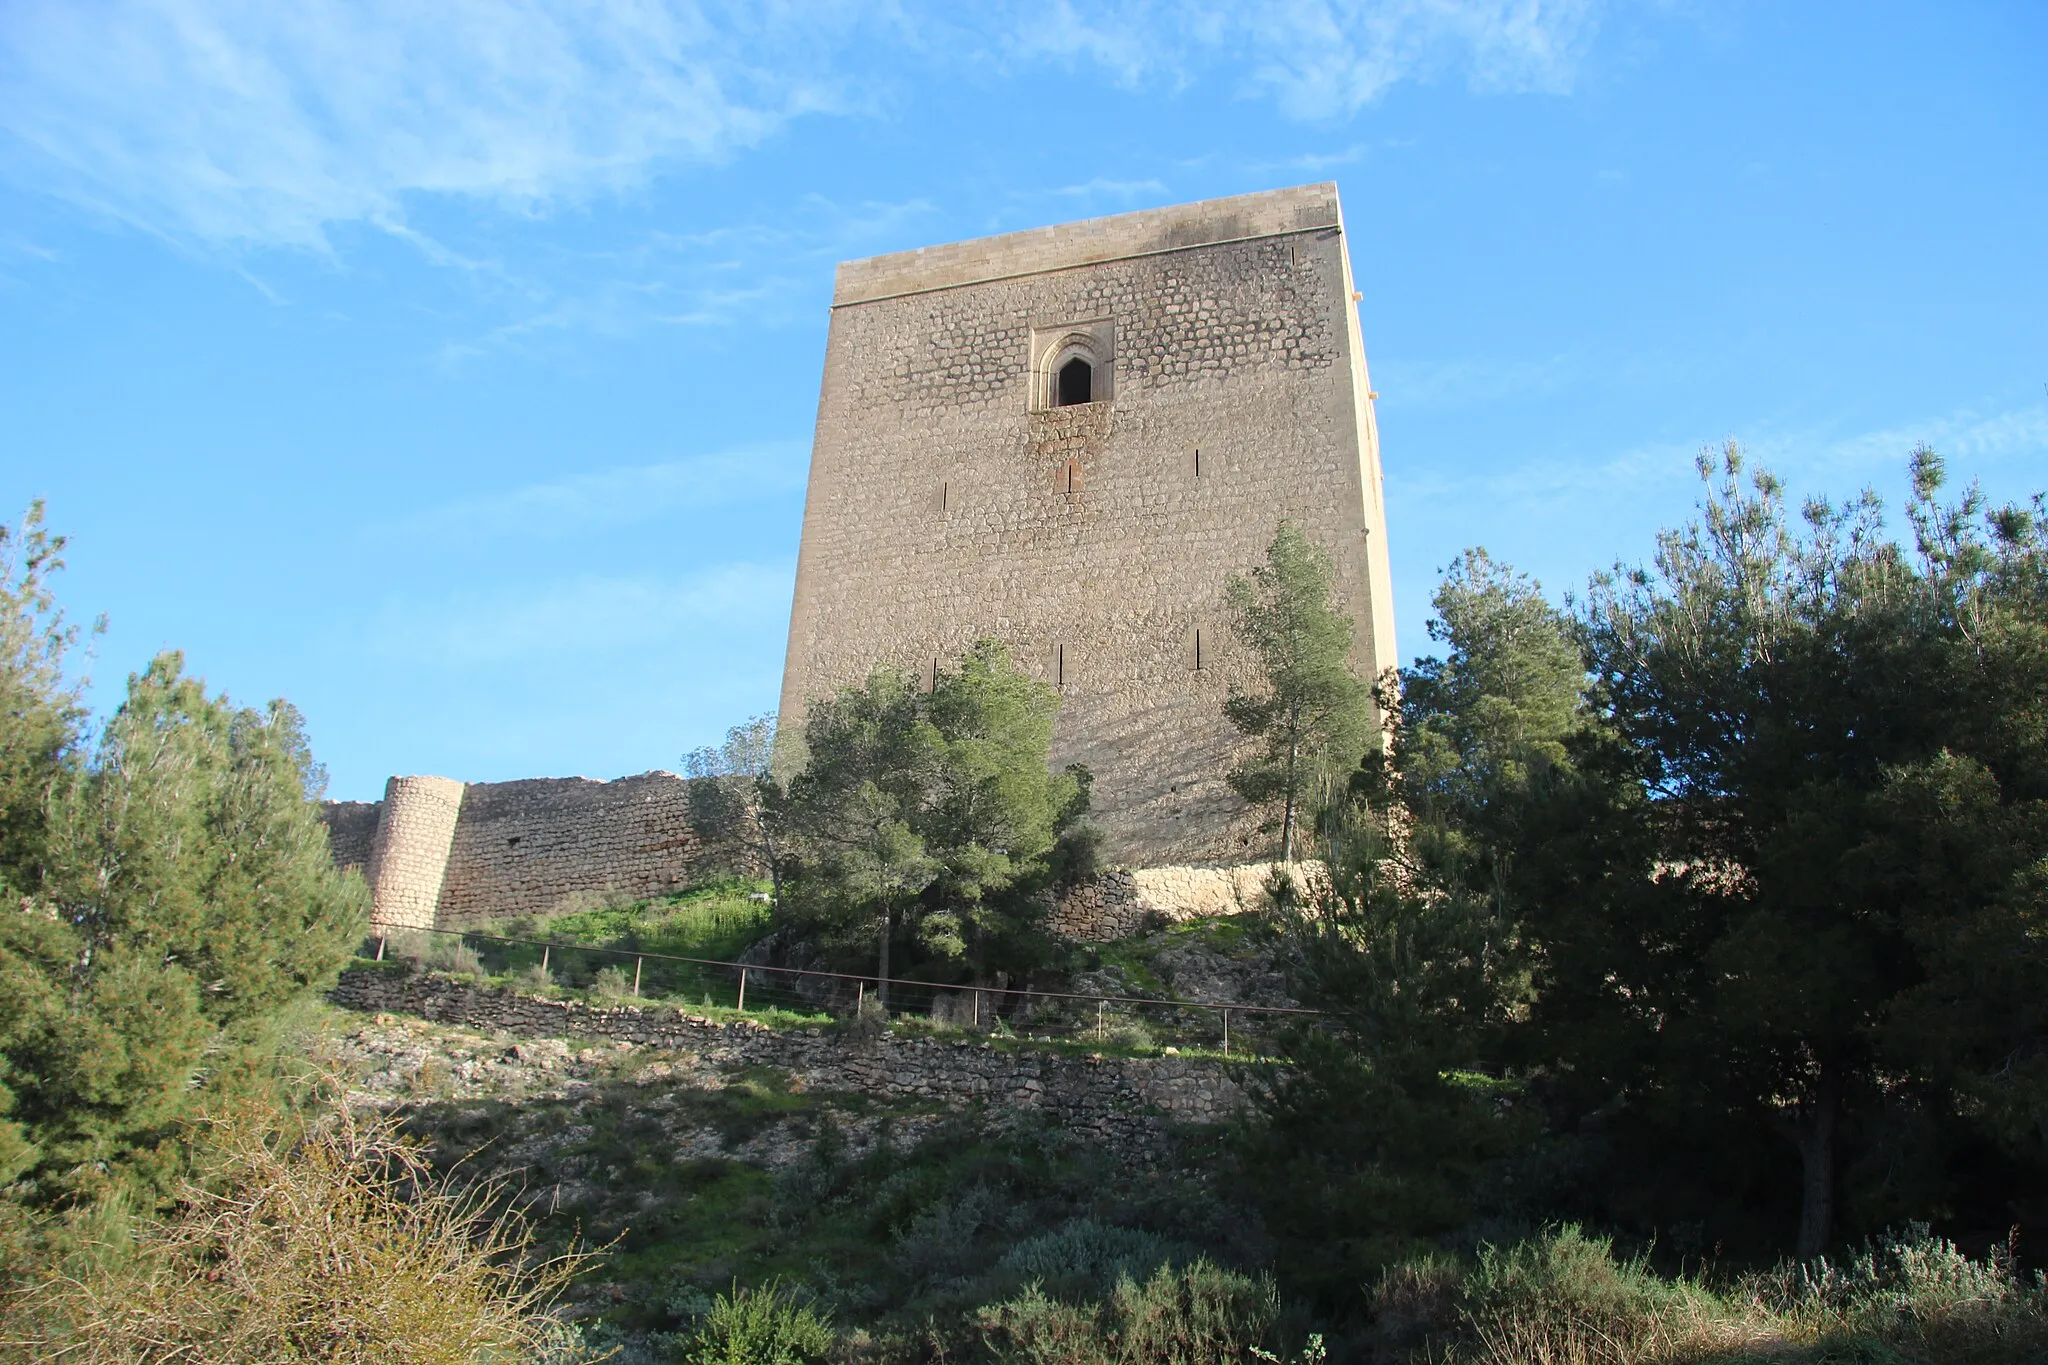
{"points": [[768, 1325], [1194, 1315], [337, 1243]]}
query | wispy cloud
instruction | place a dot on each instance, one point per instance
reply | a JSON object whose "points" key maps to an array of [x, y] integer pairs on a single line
{"points": [[268, 123], [587, 616], [1962, 436], [1321, 59], [607, 498], [1463, 383], [1815, 461]]}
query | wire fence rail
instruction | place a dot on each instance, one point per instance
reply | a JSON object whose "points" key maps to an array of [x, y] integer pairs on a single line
{"points": [[1139, 1022]]}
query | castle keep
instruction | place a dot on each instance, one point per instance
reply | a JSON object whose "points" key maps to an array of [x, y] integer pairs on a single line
{"points": [[1069, 439]]}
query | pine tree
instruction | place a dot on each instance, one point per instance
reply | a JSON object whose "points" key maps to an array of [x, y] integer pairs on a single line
{"points": [[1828, 927], [168, 892], [1313, 713], [928, 813]]}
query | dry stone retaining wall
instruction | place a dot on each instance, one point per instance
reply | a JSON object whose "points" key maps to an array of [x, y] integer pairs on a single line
{"points": [[1116, 1098]]}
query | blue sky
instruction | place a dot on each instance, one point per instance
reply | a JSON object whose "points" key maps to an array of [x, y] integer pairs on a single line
{"points": [[449, 369]]}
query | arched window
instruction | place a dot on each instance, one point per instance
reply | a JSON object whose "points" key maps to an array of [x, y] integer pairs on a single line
{"points": [[1076, 383], [1068, 478]]}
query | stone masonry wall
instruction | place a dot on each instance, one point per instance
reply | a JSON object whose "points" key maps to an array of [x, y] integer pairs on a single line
{"points": [[947, 502], [1118, 903], [1107, 1096], [352, 832], [414, 830], [538, 846], [439, 854]]}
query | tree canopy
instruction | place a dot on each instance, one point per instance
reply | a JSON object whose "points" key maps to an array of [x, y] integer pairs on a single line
{"points": [[731, 785], [931, 815], [1736, 868], [169, 888], [1311, 710]]}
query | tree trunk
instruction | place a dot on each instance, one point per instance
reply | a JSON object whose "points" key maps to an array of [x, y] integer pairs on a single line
{"points": [[1817, 1123], [882, 985], [1287, 813]]}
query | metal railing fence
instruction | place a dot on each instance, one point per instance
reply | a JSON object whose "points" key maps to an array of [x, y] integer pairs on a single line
{"points": [[1234, 1027]]}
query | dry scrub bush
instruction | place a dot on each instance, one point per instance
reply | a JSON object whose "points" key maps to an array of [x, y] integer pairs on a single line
{"points": [[338, 1245], [1563, 1299], [1193, 1315]]}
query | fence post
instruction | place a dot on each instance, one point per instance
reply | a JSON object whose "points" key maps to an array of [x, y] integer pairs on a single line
{"points": [[860, 998], [636, 993], [380, 947], [544, 959], [743, 990], [1226, 1033], [1099, 1006], [977, 1007]]}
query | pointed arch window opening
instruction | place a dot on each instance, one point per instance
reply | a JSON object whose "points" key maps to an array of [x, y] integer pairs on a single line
{"points": [[1074, 383]]}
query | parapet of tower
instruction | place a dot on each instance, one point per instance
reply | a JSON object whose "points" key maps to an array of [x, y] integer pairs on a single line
{"points": [[1069, 439]]}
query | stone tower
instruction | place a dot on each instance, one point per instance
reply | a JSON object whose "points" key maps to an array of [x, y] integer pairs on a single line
{"points": [[1069, 438]]}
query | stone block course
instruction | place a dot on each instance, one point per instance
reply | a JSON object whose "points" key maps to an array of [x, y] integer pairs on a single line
{"points": [[442, 854]]}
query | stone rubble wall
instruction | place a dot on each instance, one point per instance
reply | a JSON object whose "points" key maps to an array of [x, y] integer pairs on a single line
{"points": [[546, 844], [352, 832], [1117, 904], [410, 857], [1116, 1098], [441, 854]]}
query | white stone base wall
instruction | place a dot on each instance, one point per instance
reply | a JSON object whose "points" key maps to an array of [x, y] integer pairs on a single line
{"points": [[1119, 903]]}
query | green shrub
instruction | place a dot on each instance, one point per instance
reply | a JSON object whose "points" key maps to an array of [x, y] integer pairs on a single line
{"points": [[455, 957], [1089, 1257], [612, 981], [1564, 1297], [1198, 1314], [937, 1246], [1913, 1291], [765, 1326]]}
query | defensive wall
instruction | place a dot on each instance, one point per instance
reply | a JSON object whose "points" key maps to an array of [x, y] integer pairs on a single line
{"points": [[958, 490], [444, 854], [1114, 1099]]}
